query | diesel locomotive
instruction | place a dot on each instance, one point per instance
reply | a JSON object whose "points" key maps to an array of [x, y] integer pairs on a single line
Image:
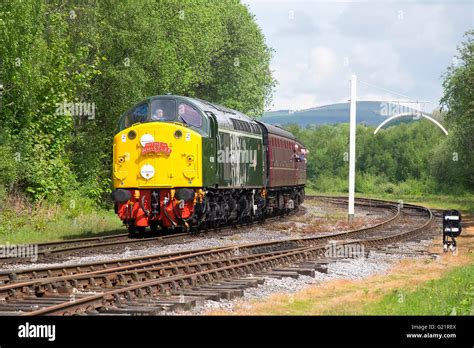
{"points": [[181, 162]]}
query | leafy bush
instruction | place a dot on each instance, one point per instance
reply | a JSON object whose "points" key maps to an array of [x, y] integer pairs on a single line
{"points": [[9, 168], [113, 56], [406, 159], [326, 183]]}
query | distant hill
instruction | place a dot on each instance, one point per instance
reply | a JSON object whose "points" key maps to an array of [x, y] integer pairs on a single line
{"points": [[369, 113]]}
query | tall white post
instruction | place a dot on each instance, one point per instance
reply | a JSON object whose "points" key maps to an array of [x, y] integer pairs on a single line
{"points": [[352, 148]]}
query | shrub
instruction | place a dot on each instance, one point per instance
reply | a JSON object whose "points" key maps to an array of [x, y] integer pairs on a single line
{"points": [[9, 167]]}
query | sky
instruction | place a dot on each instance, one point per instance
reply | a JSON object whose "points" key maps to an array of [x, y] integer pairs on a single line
{"points": [[397, 49]]}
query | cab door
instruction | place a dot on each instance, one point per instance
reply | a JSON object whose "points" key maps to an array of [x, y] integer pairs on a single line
{"points": [[209, 147]]}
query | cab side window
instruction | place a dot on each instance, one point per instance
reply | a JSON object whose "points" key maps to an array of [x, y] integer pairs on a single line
{"points": [[137, 115], [127, 121], [189, 115]]}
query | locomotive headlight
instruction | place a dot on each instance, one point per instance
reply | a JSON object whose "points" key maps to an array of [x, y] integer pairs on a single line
{"points": [[146, 138], [147, 171], [132, 135]]}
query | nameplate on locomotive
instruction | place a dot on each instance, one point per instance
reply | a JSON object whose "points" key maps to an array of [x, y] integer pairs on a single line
{"points": [[156, 147]]}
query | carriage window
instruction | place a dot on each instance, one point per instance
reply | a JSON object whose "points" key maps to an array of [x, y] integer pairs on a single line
{"points": [[189, 115], [163, 110]]}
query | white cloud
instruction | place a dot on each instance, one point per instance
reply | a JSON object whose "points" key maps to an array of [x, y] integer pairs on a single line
{"points": [[322, 64], [401, 46], [297, 102]]}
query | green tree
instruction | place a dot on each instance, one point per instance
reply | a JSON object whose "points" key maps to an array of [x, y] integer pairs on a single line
{"points": [[458, 101], [113, 54]]}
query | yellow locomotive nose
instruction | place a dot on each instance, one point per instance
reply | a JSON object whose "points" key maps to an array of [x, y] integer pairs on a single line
{"points": [[157, 154]]}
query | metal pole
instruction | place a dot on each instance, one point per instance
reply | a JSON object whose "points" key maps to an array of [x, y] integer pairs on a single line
{"points": [[352, 148]]}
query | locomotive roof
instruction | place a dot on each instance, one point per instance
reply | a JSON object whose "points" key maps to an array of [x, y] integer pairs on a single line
{"points": [[220, 110], [204, 105], [272, 129], [224, 115]]}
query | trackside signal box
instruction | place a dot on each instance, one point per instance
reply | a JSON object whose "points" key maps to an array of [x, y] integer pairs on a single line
{"points": [[451, 228]]}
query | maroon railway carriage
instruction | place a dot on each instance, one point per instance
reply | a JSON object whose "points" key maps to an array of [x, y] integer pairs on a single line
{"points": [[285, 167]]}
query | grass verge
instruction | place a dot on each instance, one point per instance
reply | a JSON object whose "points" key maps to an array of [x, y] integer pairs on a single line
{"points": [[21, 222], [453, 294], [38, 231]]}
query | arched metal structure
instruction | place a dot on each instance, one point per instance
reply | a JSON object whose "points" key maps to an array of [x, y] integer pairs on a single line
{"points": [[411, 114]]}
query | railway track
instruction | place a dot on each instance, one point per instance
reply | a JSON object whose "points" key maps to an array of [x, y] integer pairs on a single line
{"points": [[368, 201], [52, 271], [147, 285], [49, 250]]}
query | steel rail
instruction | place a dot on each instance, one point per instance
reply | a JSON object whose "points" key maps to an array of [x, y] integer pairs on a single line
{"points": [[216, 271], [174, 283], [17, 281]]}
